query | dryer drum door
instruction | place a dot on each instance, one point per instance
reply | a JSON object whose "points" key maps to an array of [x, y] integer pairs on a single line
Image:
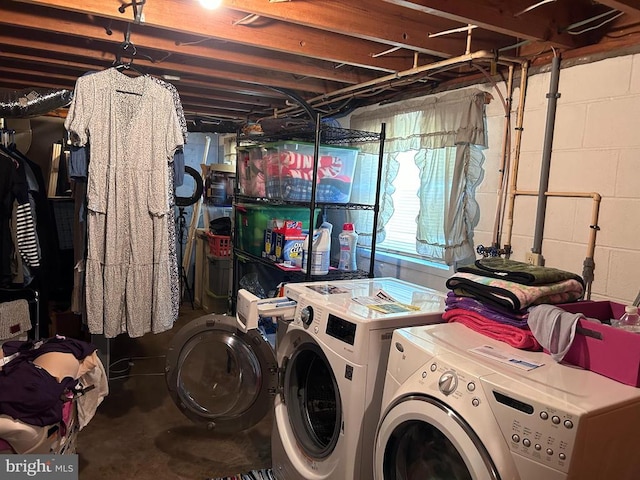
{"points": [[313, 401], [219, 376], [421, 438]]}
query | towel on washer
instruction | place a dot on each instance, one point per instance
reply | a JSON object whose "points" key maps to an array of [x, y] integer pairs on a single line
{"points": [[554, 328], [521, 338], [511, 295], [519, 272]]}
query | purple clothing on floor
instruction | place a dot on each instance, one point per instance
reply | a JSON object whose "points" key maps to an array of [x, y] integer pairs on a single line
{"points": [[28, 392]]}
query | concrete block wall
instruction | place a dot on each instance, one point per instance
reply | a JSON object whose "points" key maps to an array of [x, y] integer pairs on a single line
{"points": [[596, 148]]}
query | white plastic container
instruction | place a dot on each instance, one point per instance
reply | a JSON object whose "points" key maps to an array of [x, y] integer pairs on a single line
{"points": [[321, 251], [630, 320], [348, 239]]}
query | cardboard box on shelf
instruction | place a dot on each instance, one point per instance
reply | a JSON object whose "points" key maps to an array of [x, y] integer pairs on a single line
{"points": [[269, 242], [283, 242], [288, 248]]}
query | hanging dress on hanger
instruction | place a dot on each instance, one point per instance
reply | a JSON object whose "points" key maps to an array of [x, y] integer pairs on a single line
{"points": [[174, 268], [134, 132]]}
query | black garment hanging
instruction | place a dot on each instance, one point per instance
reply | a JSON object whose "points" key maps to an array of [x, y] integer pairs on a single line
{"points": [[11, 187], [17, 279]]}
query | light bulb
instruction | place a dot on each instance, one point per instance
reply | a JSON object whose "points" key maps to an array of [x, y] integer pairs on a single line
{"points": [[210, 4]]}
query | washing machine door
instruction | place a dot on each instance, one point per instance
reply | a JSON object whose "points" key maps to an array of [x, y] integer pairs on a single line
{"points": [[312, 397], [422, 438], [219, 376]]}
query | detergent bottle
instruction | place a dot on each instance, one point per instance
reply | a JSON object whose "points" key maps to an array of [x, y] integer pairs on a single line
{"points": [[320, 251], [348, 239]]}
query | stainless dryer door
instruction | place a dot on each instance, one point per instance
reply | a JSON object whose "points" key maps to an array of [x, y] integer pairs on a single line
{"points": [[220, 376], [421, 438]]}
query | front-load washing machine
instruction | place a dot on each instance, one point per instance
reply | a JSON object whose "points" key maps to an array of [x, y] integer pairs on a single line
{"points": [[459, 405], [321, 372], [332, 361]]}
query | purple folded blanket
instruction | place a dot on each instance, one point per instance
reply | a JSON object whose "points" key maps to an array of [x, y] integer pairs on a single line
{"points": [[502, 315]]}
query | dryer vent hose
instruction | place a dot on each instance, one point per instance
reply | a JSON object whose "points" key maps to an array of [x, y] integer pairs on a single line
{"points": [[32, 102]]}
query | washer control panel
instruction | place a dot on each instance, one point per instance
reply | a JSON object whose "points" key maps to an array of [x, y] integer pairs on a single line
{"points": [[545, 433]]}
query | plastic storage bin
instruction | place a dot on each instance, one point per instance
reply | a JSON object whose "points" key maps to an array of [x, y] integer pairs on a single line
{"points": [[250, 170], [601, 348], [288, 170], [253, 220], [219, 245], [219, 275]]}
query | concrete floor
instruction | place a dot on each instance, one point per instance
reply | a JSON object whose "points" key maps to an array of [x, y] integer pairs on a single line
{"points": [[138, 432]]}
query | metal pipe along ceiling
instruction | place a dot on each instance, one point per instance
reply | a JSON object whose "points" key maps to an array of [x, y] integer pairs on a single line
{"points": [[372, 85]]}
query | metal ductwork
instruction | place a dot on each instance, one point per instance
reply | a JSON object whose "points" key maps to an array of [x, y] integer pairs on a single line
{"points": [[32, 102]]}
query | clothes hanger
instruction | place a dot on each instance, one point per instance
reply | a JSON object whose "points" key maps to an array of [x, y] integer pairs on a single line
{"points": [[4, 153], [126, 49], [8, 146]]}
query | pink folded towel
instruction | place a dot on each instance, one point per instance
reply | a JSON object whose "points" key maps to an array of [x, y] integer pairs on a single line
{"points": [[521, 338]]}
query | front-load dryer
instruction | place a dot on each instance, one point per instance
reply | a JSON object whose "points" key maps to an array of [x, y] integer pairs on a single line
{"points": [[459, 405], [332, 360]]}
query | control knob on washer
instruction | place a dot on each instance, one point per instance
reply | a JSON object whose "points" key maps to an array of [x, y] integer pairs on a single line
{"points": [[306, 315], [448, 383]]}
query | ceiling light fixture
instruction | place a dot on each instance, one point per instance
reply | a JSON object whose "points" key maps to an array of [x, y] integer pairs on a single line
{"points": [[210, 4]]}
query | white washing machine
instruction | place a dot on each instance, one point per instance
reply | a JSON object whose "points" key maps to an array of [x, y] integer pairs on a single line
{"points": [[459, 405], [321, 372], [332, 360]]}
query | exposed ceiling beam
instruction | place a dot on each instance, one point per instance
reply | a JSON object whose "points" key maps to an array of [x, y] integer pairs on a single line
{"points": [[367, 19], [189, 17], [499, 16], [183, 68], [626, 6], [23, 16]]}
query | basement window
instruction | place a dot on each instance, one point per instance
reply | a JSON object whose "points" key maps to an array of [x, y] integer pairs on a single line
{"points": [[431, 167]]}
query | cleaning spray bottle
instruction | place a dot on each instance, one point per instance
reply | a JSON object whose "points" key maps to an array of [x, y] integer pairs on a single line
{"points": [[321, 250]]}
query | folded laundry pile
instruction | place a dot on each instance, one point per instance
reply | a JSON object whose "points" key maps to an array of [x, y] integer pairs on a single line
{"points": [[493, 296], [39, 378]]}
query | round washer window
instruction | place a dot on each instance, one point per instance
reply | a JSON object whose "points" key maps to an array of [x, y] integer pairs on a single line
{"points": [[313, 401], [418, 450], [219, 376]]}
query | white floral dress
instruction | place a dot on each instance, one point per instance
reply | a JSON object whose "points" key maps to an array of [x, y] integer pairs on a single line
{"points": [[134, 131]]}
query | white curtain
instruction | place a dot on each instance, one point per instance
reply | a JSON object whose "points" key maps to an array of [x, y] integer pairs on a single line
{"points": [[447, 132]]}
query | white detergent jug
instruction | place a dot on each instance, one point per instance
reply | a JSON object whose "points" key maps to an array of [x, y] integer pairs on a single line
{"points": [[348, 239], [321, 250]]}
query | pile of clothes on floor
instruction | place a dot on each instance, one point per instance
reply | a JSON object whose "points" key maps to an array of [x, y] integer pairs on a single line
{"points": [[44, 384], [500, 297]]}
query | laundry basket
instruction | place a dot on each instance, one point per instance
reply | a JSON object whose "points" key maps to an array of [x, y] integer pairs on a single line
{"points": [[58, 439]]}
